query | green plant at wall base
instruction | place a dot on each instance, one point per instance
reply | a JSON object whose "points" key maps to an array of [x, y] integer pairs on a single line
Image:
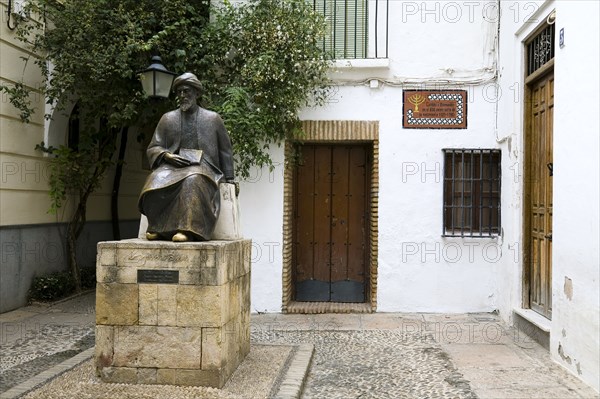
{"points": [[259, 62], [57, 285], [51, 287]]}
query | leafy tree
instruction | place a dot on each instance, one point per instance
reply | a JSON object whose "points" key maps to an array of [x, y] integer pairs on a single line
{"points": [[259, 62], [263, 61]]}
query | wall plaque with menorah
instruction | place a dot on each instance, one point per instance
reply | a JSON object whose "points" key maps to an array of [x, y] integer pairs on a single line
{"points": [[435, 109]]}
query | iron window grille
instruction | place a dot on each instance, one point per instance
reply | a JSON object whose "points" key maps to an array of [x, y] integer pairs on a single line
{"points": [[356, 29], [540, 49], [471, 192]]}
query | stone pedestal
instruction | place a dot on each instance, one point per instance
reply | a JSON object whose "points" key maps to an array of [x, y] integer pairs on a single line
{"points": [[172, 313]]}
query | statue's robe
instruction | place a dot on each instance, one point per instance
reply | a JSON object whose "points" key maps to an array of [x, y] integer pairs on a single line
{"points": [[186, 199]]}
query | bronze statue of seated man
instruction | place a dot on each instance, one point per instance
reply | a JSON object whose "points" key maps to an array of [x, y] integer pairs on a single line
{"points": [[190, 155]]}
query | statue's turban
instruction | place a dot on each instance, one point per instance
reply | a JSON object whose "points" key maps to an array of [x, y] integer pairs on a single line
{"points": [[188, 79]]}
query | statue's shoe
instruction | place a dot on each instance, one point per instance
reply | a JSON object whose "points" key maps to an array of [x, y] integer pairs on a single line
{"points": [[180, 237], [152, 236]]}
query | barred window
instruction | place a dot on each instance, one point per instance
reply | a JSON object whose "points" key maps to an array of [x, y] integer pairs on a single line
{"points": [[540, 49], [471, 192]]}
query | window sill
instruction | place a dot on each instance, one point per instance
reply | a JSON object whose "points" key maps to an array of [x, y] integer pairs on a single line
{"points": [[365, 63], [474, 235]]}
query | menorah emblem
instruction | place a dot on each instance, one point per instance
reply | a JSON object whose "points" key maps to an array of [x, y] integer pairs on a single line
{"points": [[416, 100]]}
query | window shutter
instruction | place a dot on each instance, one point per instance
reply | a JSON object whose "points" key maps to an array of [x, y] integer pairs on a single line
{"points": [[346, 27]]}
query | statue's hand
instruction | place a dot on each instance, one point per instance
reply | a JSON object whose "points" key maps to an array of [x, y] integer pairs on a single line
{"points": [[176, 160]]}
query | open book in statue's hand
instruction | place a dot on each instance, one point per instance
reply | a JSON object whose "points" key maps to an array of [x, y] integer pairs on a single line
{"points": [[194, 156]]}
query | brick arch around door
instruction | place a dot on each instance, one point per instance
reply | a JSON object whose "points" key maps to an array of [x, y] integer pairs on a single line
{"points": [[330, 219]]}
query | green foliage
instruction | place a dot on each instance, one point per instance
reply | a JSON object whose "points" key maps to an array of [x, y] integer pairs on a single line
{"points": [[259, 61], [97, 48], [263, 63], [51, 287], [77, 171], [57, 285], [18, 95]]}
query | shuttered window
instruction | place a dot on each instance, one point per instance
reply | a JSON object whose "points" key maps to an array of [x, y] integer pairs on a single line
{"points": [[346, 27]]}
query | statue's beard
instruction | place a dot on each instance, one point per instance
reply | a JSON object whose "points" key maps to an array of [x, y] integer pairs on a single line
{"points": [[186, 105]]}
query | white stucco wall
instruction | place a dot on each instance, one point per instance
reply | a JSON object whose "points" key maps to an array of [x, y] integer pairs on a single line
{"points": [[575, 259], [261, 205], [576, 317], [419, 271]]}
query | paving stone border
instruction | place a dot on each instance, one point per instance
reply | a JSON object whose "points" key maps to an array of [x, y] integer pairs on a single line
{"points": [[46, 376], [292, 385], [41, 345]]}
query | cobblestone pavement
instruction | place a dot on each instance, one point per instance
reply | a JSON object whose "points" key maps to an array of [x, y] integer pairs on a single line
{"points": [[37, 337], [375, 364], [422, 356], [356, 356]]}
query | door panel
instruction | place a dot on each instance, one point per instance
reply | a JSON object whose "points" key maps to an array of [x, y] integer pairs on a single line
{"points": [[539, 168], [358, 237], [304, 202], [330, 223], [339, 213], [322, 213]]}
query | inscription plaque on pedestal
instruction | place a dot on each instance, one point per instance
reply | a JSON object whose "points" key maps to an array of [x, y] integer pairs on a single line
{"points": [[157, 276], [435, 109]]}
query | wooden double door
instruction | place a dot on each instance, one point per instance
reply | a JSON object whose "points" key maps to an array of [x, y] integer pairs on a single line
{"points": [[539, 168], [330, 232]]}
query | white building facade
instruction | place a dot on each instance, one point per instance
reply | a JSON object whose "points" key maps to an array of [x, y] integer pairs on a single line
{"points": [[531, 264]]}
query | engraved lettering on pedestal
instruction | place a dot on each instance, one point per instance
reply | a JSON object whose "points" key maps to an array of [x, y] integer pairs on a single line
{"points": [[172, 257], [136, 259]]}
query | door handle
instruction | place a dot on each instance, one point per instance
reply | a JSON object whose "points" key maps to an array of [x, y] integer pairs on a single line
{"points": [[548, 237], [550, 166]]}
